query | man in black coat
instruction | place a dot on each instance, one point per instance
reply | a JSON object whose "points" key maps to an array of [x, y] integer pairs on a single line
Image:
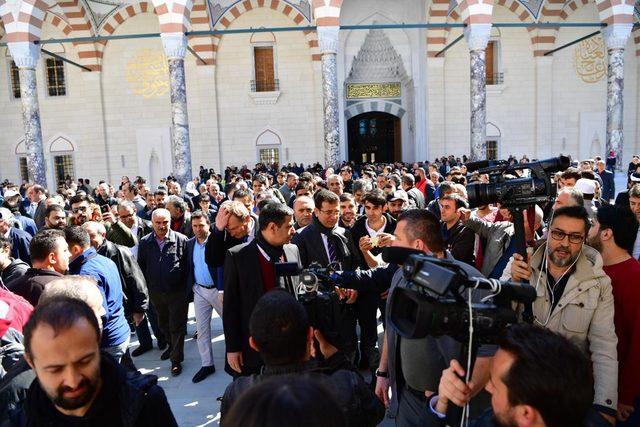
{"points": [[249, 272], [325, 243], [281, 333], [37, 196], [460, 240], [608, 182], [10, 267], [161, 256], [99, 391], [234, 225]]}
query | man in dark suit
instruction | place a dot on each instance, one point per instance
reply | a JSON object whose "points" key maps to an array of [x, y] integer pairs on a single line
{"points": [[20, 239], [37, 196], [326, 243], [250, 272], [234, 225], [180, 217], [207, 290], [161, 256], [608, 183], [415, 196]]}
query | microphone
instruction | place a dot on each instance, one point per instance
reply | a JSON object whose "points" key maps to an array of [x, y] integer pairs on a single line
{"points": [[398, 255]]}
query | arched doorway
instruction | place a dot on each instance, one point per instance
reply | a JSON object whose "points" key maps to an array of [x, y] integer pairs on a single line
{"points": [[374, 137]]}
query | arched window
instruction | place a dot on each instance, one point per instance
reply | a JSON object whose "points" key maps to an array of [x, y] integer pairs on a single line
{"points": [[21, 154], [268, 144], [493, 141], [62, 151]]}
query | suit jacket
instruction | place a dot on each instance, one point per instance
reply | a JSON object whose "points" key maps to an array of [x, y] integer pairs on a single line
{"points": [[38, 215], [312, 249], [243, 287], [20, 241], [608, 185], [164, 270], [191, 279], [27, 224], [144, 228]]}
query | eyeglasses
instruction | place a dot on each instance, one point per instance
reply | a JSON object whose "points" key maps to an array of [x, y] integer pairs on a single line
{"points": [[126, 216], [332, 212], [79, 209], [574, 238]]}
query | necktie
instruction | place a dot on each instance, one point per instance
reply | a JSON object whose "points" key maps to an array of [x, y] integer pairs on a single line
{"points": [[332, 251]]}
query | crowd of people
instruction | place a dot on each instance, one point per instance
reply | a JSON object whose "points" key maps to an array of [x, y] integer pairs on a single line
{"points": [[86, 267]]}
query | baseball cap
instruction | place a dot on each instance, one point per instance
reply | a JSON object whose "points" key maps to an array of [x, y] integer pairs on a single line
{"points": [[5, 213], [635, 177], [10, 193], [398, 195], [586, 186]]}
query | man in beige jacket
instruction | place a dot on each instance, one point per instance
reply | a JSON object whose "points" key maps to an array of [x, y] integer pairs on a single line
{"points": [[574, 298]]}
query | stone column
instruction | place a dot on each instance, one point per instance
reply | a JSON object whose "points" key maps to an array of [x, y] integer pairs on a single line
{"points": [[615, 37], [477, 36], [328, 42], [175, 46], [26, 55]]}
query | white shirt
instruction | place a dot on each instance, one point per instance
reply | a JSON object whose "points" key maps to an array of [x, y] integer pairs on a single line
{"points": [[371, 231], [636, 246], [134, 232]]}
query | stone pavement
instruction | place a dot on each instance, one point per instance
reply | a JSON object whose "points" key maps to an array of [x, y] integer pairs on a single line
{"points": [[194, 405]]}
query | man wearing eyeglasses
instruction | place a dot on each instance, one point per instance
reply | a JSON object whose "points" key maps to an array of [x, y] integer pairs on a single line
{"points": [[117, 232], [575, 299]]}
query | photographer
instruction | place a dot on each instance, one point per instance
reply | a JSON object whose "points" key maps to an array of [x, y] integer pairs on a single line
{"points": [[538, 378], [281, 333], [575, 298]]}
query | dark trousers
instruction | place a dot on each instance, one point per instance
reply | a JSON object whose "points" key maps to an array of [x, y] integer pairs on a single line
{"points": [[412, 408], [172, 308], [142, 330], [366, 308]]}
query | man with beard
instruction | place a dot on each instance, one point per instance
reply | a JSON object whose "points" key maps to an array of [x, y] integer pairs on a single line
{"points": [[76, 384], [55, 218], [397, 203], [538, 378], [117, 232], [250, 272], [348, 209], [575, 299], [612, 234]]}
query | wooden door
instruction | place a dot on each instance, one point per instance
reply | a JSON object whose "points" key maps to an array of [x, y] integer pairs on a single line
{"points": [[489, 62], [264, 69]]}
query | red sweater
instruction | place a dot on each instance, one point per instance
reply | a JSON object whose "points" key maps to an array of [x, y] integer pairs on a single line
{"points": [[625, 279]]}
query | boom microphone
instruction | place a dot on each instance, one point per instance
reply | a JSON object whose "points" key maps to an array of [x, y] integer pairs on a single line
{"points": [[482, 164], [398, 255]]}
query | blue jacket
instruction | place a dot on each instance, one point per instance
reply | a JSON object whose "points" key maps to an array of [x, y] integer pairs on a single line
{"points": [[27, 224], [608, 185], [104, 271], [20, 241]]}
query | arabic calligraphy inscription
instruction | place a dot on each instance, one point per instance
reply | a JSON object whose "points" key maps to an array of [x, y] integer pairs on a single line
{"points": [[373, 90], [148, 74], [590, 60]]}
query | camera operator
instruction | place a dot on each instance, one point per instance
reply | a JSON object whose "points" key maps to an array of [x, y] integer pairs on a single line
{"points": [[410, 368], [574, 298], [249, 272], [538, 378], [280, 332]]}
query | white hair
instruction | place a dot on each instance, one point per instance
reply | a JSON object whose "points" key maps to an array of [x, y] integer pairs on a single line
{"points": [[160, 212]]}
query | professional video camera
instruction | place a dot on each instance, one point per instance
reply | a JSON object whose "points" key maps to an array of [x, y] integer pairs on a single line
{"points": [[516, 194], [316, 292], [436, 301]]}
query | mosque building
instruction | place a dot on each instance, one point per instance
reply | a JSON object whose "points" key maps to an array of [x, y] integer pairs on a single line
{"points": [[103, 88]]}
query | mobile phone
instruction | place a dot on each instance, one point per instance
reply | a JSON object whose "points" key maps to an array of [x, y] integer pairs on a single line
{"points": [[105, 208]]}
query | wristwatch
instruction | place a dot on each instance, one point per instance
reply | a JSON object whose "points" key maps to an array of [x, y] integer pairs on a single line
{"points": [[382, 374]]}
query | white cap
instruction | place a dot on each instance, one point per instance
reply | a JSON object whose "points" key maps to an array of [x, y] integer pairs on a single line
{"points": [[10, 193], [586, 186]]}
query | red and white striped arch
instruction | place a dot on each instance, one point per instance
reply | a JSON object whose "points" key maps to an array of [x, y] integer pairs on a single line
{"points": [[23, 19], [202, 45], [616, 11], [78, 17], [327, 12], [111, 24], [476, 11], [173, 15], [286, 9], [544, 39], [437, 37]]}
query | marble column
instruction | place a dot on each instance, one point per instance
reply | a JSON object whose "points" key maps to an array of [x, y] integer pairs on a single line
{"points": [[615, 36], [477, 36], [175, 46], [26, 55], [328, 42]]}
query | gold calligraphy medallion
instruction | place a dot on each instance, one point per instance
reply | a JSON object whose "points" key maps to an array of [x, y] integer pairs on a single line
{"points": [[590, 60], [148, 74], [373, 90]]}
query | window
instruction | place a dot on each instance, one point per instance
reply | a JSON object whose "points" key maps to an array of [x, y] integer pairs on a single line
{"points": [[492, 150], [264, 70], [14, 75], [56, 85], [492, 63], [269, 156], [63, 167], [24, 170]]}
